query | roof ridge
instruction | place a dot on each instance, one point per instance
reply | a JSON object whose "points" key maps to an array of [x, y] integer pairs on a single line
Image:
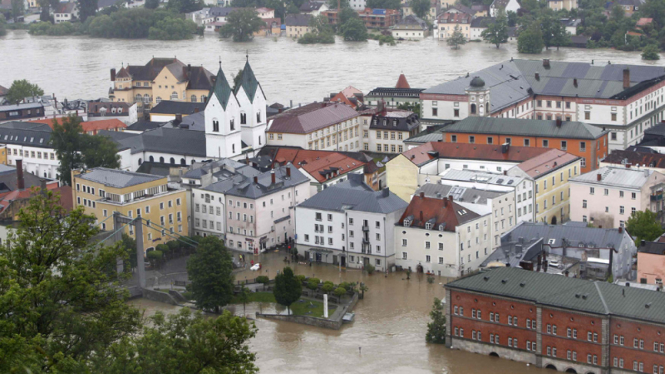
{"points": [[602, 298]]}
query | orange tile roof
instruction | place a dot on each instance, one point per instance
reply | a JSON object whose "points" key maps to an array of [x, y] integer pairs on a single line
{"points": [[445, 212], [104, 124], [317, 162], [402, 82], [66, 198], [546, 162], [340, 98]]}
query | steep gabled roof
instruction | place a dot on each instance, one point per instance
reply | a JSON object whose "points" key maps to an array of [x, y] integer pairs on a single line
{"points": [[249, 83], [434, 150], [422, 210], [401, 81], [221, 89]]}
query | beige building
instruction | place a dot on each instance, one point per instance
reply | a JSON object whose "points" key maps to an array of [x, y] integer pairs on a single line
{"points": [[297, 25], [161, 79], [102, 191], [550, 172], [562, 4], [453, 20]]}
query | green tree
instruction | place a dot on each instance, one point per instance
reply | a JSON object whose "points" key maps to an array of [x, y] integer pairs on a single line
{"points": [[530, 40], [354, 30], [67, 141], [328, 287], [263, 280], [59, 299], [339, 291], [560, 37], [21, 89], [512, 19], [210, 271], [436, 330], [152, 4], [456, 39], [413, 107], [243, 295], [241, 24], [644, 225], [650, 52], [321, 32], [313, 283], [87, 8], [420, 7], [287, 288], [172, 28], [129, 245], [363, 288], [184, 342], [346, 14], [547, 24], [18, 9], [3, 25], [332, 4], [497, 33], [155, 257], [184, 6], [99, 151]]}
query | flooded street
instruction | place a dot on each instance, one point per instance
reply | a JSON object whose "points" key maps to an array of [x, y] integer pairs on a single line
{"points": [[390, 327], [78, 67]]}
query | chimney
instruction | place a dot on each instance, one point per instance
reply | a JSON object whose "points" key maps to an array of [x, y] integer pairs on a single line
{"points": [[196, 110], [288, 172], [42, 185], [537, 76], [385, 192], [421, 217], [599, 177], [546, 63], [113, 75], [505, 172], [620, 230], [445, 202], [575, 82], [643, 243], [626, 78], [272, 176], [178, 117], [189, 68], [256, 180], [422, 195], [558, 121], [505, 147], [627, 166], [19, 175], [450, 197]]}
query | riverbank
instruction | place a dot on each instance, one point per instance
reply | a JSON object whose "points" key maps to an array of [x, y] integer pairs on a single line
{"points": [[288, 71]]}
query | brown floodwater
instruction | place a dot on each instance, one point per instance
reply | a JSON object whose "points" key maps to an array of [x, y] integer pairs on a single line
{"points": [[390, 327]]}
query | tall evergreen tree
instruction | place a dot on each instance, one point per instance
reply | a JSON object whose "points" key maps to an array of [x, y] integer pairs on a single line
{"points": [[210, 271], [287, 288], [436, 330]]}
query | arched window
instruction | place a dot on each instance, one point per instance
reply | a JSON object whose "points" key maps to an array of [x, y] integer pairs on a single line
{"points": [[193, 98], [243, 118], [183, 162], [137, 98], [193, 161], [203, 98], [152, 159], [161, 160], [174, 96], [473, 108], [140, 161], [233, 148], [487, 108], [146, 99], [259, 139], [172, 161], [215, 125], [158, 100]]}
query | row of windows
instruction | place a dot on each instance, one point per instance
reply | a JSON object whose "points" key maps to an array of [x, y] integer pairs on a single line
{"points": [[393, 148], [622, 209], [606, 192], [385, 135], [31, 154]]}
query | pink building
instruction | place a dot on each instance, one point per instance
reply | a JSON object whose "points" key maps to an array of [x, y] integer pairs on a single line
{"points": [[651, 263], [608, 196]]}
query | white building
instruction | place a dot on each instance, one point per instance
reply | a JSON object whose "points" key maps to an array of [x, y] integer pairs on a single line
{"points": [[441, 237], [66, 12], [505, 5], [607, 197], [350, 225], [30, 142], [253, 213], [324, 126], [521, 188]]}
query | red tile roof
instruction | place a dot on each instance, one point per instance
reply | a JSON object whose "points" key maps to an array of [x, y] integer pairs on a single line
{"points": [[340, 98], [437, 211], [318, 163], [489, 152], [65, 192], [402, 82], [104, 124], [546, 162]]}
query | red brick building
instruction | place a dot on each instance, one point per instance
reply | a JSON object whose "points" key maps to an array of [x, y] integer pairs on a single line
{"points": [[552, 321]]}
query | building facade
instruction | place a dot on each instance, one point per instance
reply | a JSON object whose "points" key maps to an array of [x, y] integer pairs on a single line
{"points": [[384, 130], [103, 191]]}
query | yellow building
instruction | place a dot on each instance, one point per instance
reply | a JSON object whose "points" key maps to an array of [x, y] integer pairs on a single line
{"points": [[3, 154], [102, 191], [161, 79], [402, 176], [550, 172], [297, 25]]}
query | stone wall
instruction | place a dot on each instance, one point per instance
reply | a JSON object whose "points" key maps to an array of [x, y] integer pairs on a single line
{"points": [[487, 349], [305, 320], [161, 297]]}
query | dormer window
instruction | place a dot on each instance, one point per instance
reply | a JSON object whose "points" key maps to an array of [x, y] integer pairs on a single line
{"points": [[441, 227], [428, 226], [407, 222]]}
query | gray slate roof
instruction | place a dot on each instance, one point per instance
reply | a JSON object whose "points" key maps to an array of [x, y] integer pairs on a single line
{"points": [[616, 177], [177, 107], [311, 117], [117, 178], [570, 293], [351, 195], [142, 125], [574, 235], [297, 19], [164, 140], [526, 127], [243, 186], [513, 81], [26, 133], [460, 194]]}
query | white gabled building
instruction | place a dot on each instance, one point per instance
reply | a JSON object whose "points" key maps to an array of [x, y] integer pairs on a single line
{"points": [[350, 225], [252, 99]]}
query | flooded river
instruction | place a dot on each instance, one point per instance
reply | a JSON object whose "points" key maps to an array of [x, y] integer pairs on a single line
{"points": [[78, 67], [390, 327]]}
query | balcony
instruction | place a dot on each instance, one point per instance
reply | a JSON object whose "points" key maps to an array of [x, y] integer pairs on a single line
{"points": [[365, 228]]}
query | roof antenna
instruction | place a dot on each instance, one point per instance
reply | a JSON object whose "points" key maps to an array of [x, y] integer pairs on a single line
{"points": [[247, 54], [220, 62]]}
